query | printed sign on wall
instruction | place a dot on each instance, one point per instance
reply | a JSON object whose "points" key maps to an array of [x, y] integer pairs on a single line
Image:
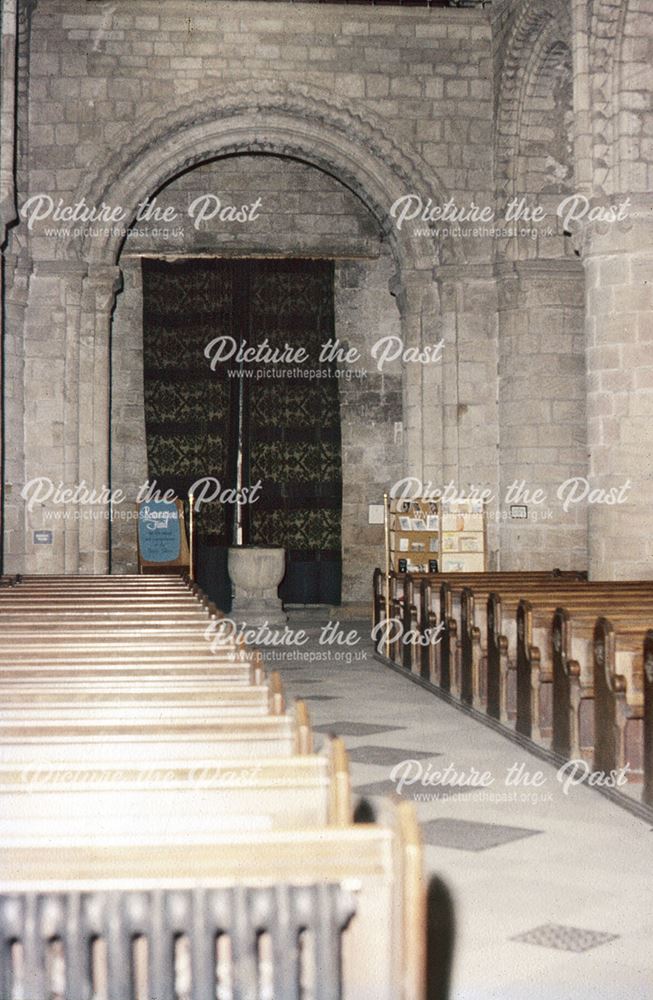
{"points": [[159, 531]]}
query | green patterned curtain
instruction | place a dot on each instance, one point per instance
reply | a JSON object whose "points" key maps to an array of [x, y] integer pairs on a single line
{"points": [[291, 427], [189, 410]]}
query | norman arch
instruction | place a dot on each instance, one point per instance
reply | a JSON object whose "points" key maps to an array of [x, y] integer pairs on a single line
{"points": [[299, 123]]}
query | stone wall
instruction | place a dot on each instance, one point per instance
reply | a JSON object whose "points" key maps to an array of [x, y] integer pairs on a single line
{"points": [[94, 72], [102, 79], [364, 105]]}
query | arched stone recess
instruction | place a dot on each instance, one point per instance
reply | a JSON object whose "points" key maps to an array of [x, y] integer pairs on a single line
{"points": [[633, 103], [605, 28], [542, 425], [335, 136], [540, 31], [256, 116]]}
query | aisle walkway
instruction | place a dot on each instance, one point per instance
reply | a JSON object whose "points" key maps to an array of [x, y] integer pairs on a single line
{"points": [[552, 890]]}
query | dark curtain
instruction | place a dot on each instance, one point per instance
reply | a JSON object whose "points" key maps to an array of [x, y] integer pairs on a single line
{"points": [[291, 426], [189, 410]]}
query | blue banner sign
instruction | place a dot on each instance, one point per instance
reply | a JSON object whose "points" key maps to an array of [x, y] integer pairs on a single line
{"points": [[159, 531]]}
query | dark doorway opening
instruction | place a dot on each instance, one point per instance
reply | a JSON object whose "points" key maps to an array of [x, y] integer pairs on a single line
{"points": [[212, 415]]}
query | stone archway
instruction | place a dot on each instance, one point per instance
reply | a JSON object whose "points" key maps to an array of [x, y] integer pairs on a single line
{"points": [[537, 29], [298, 122], [257, 116]]}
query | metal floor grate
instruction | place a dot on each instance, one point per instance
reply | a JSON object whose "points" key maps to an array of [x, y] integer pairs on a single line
{"points": [[564, 938]]}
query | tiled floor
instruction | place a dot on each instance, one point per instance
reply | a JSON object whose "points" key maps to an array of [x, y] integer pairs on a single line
{"points": [[553, 891]]}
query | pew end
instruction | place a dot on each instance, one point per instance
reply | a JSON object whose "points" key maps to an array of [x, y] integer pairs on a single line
{"points": [[277, 698], [303, 730], [359, 888]]}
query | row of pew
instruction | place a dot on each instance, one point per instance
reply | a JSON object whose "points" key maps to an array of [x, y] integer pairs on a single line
{"points": [[564, 662], [167, 829]]}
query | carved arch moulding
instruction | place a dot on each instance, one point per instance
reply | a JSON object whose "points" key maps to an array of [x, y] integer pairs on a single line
{"points": [[332, 134]]}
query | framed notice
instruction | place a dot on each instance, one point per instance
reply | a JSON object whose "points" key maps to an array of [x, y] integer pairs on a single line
{"points": [[162, 541], [463, 562]]}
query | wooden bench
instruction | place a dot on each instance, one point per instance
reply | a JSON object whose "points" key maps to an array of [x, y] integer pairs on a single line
{"points": [[501, 641], [61, 701], [465, 642], [619, 695], [116, 581], [572, 653], [479, 647], [90, 740], [421, 602], [352, 896], [170, 802], [647, 792], [119, 741], [535, 684]]}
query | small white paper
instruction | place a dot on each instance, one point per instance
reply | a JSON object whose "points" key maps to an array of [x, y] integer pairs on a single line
{"points": [[375, 514]]}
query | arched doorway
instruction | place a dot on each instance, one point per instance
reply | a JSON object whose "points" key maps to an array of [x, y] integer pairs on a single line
{"points": [[299, 123]]}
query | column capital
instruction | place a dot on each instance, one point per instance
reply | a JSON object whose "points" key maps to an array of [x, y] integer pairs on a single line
{"points": [[562, 268], [104, 281], [60, 268], [409, 289], [452, 273]]}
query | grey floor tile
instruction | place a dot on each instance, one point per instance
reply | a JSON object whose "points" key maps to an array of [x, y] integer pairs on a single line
{"points": [[464, 835], [385, 787], [355, 728], [564, 938], [388, 756]]}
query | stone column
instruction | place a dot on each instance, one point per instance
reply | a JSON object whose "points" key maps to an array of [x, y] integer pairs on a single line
{"points": [[470, 422], [97, 303], [128, 439], [618, 261], [51, 414], [541, 412], [8, 214], [421, 327], [16, 277]]}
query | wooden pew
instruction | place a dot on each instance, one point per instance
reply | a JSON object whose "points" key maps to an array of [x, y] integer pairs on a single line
{"points": [[572, 653], [534, 658], [619, 695], [647, 793], [465, 659], [501, 651], [458, 580], [133, 675], [479, 658], [172, 801], [500, 680], [89, 586], [91, 740], [54, 721], [414, 605], [472, 627], [465, 640], [62, 701], [358, 890], [454, 583]]}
